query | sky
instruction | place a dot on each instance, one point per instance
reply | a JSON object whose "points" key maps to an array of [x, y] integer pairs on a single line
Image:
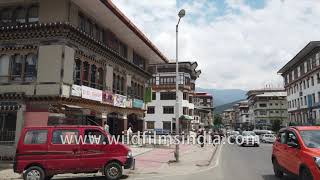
{"points": [[238, 44]]}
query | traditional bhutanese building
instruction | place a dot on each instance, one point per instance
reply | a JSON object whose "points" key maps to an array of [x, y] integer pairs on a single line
{"points": [[71, 62]]}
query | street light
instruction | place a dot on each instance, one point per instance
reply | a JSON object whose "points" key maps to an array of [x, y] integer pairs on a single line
{"points": [[181, 14]]}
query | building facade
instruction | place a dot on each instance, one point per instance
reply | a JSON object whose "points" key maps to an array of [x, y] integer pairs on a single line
{"points": [[71, 62], [302, 83], [266, 106], [161, 110], [203, 113], [228, 117]]}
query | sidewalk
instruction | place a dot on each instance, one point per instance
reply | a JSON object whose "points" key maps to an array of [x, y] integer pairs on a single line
{"points": [[156, 162]]}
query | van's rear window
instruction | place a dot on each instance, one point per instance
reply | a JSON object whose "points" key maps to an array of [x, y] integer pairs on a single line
{"points": [[36, 137]]}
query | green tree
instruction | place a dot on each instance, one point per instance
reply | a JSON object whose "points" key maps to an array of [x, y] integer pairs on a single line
{"points": [[276, 125], [217, 119]]}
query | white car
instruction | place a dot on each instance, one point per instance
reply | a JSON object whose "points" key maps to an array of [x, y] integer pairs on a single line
{"points": [[268, 138], [250, 138]]}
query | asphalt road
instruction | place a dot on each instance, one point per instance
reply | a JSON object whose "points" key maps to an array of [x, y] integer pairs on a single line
{"points": [[238, 163]]}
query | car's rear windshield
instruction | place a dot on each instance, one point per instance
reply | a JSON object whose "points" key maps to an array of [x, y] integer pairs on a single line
{"points": [[248, 134], [311, 138]]}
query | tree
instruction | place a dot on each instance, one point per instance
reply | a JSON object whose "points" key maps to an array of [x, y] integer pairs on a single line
{"points": [[217, 119], [276, 125]]}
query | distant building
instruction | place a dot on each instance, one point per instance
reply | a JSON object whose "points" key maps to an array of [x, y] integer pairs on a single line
{"points": [[203, 113], [267, 105], [302, 83], [241, 113], [228, 117], [161, 110]]}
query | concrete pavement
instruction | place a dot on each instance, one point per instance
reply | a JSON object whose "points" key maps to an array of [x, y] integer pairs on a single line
{"points": [[235, 162]]}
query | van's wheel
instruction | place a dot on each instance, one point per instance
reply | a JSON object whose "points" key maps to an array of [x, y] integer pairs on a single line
{"points": [[34, 173], [113, 171], [305, 174], [276, 168]]}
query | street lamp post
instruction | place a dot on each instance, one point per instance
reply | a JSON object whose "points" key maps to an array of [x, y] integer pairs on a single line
{"points": [[181, 14]]}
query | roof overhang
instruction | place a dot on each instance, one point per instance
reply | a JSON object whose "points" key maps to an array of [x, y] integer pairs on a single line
{"points": [[109, 16], [305, 51]]}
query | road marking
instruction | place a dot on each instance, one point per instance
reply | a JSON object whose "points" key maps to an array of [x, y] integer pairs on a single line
{"points": [[216, 164]]}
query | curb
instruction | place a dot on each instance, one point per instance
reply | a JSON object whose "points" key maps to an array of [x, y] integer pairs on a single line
{"points": [[143, 153], [211, 158]]}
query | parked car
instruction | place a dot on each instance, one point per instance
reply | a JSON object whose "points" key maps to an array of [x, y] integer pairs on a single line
{"points": [[268, 138], [249, 138], [43, 152], [297, 152], [233, 136]]}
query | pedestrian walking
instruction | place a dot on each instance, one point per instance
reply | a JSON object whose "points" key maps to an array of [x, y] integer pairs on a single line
{"points": [[201, 136]]}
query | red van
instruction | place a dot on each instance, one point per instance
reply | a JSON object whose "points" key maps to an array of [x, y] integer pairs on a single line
{"points": [[43, 152]]}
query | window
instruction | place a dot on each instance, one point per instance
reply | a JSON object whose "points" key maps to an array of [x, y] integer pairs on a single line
{"points": [[85, 74], [150, 124], [292, 137], [33, 14], [93, 76], [82, 23], [31, 67], [77, 72], [20, 15], [167, 80], [282, 137], [64, 136], [312, 81], [4, 68], [94, 137], [151, 110], [138, 60], [263, 105], [123, 50], [167, 95], [168, 110], [100, 78], [6, 16], [185, 96], [166, 125], [185, 110], [36, 137], [154, 96], [16, 67]]}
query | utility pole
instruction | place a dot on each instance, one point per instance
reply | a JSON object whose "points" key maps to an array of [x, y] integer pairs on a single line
{"points": [[181, 14]]}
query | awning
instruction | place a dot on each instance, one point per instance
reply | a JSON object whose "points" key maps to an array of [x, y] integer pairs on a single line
{"points": [[186, 117]]}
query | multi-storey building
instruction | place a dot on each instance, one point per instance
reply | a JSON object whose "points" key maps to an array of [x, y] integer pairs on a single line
{"points": [[241, 115], [71, 62], [228, 117], [161, 110], [267, 106], [203, 113], [302, 83]]}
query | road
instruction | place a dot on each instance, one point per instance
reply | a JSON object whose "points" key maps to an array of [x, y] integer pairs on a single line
{"points": [[240, 163]]}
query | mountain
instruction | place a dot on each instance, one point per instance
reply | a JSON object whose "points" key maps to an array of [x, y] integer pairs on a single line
{"points": [[221, 108], [224, 96]]}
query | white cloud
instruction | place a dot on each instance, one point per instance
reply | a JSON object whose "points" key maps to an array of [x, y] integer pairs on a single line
{"points": [[242, 49]]}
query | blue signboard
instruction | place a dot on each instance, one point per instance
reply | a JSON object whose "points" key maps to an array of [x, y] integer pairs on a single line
{"points": [[137, 103]]}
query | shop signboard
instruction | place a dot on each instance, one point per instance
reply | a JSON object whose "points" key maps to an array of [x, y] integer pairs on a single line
{"points": [[76, 90], [107, 97], [137, 103], [119, 100], [129, 103], [91, 93]]}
